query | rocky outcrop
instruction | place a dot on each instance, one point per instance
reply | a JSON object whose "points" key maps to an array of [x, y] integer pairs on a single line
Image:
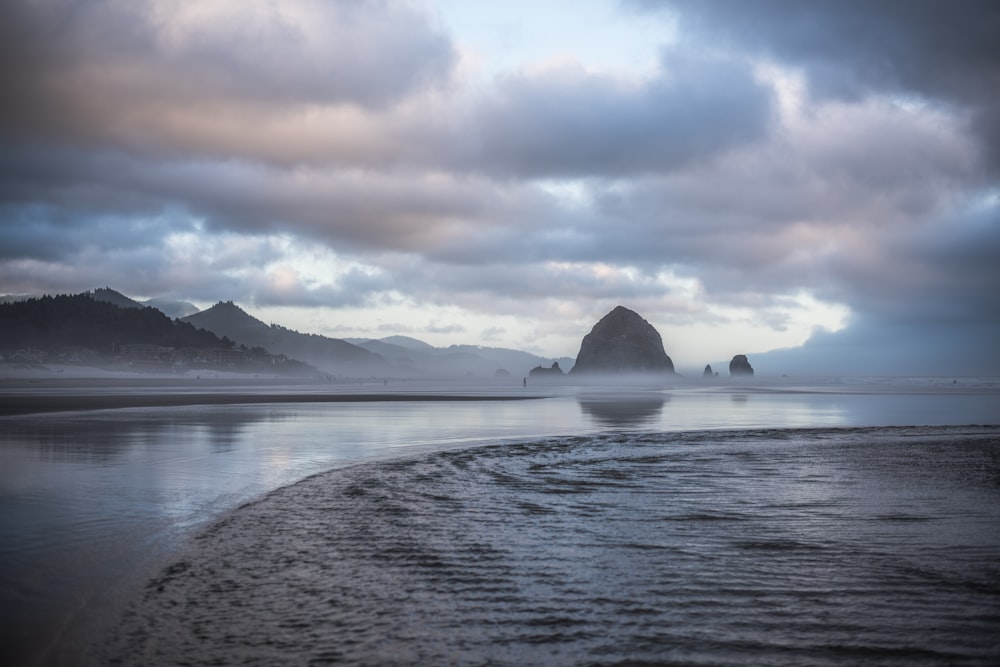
{"points": [[622, 342], [708, 371], [740, 366], [546, 372]]}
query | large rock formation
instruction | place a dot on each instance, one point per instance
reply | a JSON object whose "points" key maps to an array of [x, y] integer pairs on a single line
{"points": [[622, 342], [740, 366]]}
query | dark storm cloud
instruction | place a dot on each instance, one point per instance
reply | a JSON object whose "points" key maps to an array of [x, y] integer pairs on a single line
{"points": [[927, 304], [946, 52], [134, 74], [875, 345], [567, 122], [49, 233]]}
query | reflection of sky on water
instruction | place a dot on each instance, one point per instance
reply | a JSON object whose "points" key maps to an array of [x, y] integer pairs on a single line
{"points": [[744, 409]]}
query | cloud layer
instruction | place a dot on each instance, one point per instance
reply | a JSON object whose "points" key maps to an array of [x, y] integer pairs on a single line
{"points": [[779, 164]]}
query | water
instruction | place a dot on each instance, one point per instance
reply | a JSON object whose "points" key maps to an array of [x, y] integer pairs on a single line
{"points": [[93, 504], [774, 547]]}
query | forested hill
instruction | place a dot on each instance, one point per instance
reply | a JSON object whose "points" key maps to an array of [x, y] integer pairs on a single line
{"points": [[80, 320], [227, 319]]}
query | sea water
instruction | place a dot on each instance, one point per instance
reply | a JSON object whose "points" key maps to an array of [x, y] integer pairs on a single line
{"points": [[725, 525], [870, 545]]}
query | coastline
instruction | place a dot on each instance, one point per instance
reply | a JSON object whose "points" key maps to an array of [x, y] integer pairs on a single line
{"points": [[45, 393], [41, 403]]}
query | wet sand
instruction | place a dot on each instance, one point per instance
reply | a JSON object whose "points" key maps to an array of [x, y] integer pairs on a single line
{"points": [[22, 405], [22, 396]]}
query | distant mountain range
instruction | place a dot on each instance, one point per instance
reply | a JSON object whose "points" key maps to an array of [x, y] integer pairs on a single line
{"points": [[229, 325], [455, 360], [329, 354], [83, 330], [169, 307], [391, 356]]}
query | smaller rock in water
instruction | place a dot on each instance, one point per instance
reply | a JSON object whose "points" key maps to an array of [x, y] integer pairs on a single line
{"points": [[546, 372], [708, 371]]}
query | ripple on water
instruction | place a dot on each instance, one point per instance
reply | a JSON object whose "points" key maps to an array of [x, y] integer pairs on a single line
{"points": [[721, 548]]}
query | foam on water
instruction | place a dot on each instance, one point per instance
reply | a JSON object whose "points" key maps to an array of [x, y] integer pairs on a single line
{"points": [[776, 546]]}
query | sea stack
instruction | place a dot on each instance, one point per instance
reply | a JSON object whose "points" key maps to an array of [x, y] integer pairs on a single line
{"points": [[622, 342], [540, 370], [708, 371], [740, 366]]}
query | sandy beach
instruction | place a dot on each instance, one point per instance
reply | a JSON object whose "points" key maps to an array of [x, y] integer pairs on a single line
{"points": [[60, 402], [44, 393]]}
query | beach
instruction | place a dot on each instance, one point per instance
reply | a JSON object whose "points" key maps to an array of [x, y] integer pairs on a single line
{"points": [[394, 525], [43, 393], [782, 547]]}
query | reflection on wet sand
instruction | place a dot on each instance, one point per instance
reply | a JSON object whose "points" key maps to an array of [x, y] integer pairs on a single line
{"points": [[87, 440]]}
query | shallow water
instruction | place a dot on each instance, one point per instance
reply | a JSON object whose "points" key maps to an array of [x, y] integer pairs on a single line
{"points": [[768, 547], [93, 503]]}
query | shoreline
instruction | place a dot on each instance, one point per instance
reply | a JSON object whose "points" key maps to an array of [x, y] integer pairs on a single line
{"points": [[11, 406], [46, 394]]}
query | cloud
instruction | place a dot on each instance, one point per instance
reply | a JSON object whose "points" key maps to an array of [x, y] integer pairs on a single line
{"points": [[941, 52], [845, 181], [929, 306], [284, 286], [436, 328], [566, 122], [181, 78], [774, 167]]}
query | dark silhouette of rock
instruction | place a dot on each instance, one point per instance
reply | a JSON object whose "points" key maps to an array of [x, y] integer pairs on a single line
{"points": [[622, 342], [708, 371], [740, 366], [546, 372]]}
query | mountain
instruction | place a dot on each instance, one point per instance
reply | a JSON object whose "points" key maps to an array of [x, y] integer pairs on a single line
{"points": [[83, 330], [516, 362], [456, 360], [329, 354], [85, 321], [92, 329], [224, 324], [395, 354], [171, 308], [622, 342], [407, 343], [14, 298], [116, 298]]}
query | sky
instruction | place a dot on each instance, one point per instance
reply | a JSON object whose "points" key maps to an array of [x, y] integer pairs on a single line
{"points": [[816, 185]]}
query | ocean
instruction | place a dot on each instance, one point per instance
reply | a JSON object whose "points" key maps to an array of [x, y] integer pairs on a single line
{"points": [[761, 523]]}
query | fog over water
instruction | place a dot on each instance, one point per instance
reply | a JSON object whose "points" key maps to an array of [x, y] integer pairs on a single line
{"points": [[92, 503]]}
